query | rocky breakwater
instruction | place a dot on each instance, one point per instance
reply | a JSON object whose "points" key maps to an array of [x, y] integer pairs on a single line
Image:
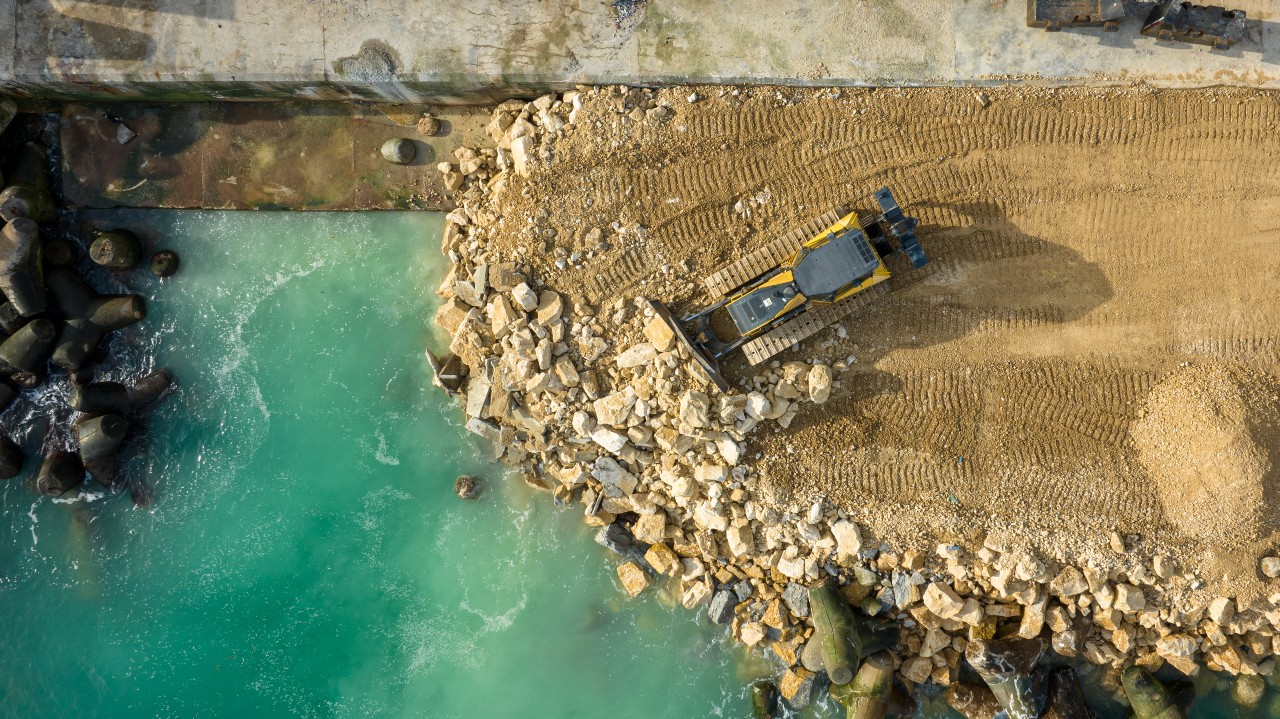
{"points": [[53, 330], [600, 405]]}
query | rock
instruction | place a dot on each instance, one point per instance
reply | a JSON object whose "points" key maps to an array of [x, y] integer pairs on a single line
{"points": [[524, 297], [707, 517], [660, 335], [942, 600], [164, 263], [792, 567], [428, 126], [695, 594], [637, 356], [521, 152], [610, 440], [798, 686], [758, 406], [634, 578], [752, 633], [1176, 646], [1033, 617], [453, 181], [115, 249], [550, 307], [917, 669], [1271, 567], [650, 528], [722, 606], [741, 541], [615, 538], [710, 473], [466, 487], [663, 559], [796, 598], [1069, 583], [617, 481], [729, 450], [1222, 610], [399, 151], [695, 409], [1129, 598], [615, 409], [1248, 690], [819, 383], [848, 540]]}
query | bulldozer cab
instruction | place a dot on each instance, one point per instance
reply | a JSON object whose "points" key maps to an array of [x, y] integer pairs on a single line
{"points": [[824, 272]]}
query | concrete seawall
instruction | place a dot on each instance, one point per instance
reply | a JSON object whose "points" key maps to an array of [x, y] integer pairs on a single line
{"points": [[434, 51]]}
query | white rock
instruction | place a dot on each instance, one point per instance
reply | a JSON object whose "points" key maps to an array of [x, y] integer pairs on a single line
{"points": [[707, 517], [650, 528], [521, 151], [525, 297], [1271, 567], [1068, 583], [695, 595], [616, 479], [819, 383], [942, 600], [729, 450], [791, 567], [1129, 598], [637, 356], [609, 439], [695, 409], [741, 542], [1222, 610], [615, 409], [710, 473], [848, 541], [659, 334], [757, 406]]}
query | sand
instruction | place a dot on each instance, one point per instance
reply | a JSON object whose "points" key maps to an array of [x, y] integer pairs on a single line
{"points": [[1031, 383]]}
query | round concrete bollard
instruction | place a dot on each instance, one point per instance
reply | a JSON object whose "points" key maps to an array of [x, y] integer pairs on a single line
{"points": [[100, 436], [399, 151], [59, 253], [100, 398], [466, 487], [22, 266], [11, 459], [115, 249], [164, 263], [23, 200], [22, 356], [60, 473]]}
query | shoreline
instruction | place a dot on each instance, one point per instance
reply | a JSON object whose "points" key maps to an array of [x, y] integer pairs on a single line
{"points": [[594, 401]]}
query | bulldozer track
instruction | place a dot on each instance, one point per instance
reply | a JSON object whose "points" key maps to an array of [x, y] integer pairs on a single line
{"points": [[807, 324], [760, 261]]}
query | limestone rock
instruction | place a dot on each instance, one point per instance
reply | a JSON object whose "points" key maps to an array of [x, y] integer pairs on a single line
{"points": [[525, 298], [634, 578], [1179, 646], [695, 595], [660, 335], [616, 479], [819, 383], [614, 409], [1069, 583], [1129, 598], [741, 542], [1271, 567], [848, 541], [722, 606], [798, 687], [1222, 610], [695, 409], [610, 440], [942, 600], [663, 559], [550, 307], [521, 153], [637, 356], [650, 528]]}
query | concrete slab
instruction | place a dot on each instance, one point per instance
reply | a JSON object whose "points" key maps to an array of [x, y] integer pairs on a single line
{"points": [[437, 50], [297, 156], [993, 45]]}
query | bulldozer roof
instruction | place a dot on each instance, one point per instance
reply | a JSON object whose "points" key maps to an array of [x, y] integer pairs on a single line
{"points": [[823, 271]]}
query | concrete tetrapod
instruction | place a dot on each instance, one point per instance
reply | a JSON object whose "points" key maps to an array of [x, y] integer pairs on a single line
{"points": [[100, 398], [23, 355], [149, 388], [867, 696], [973, 701], [99, 437], [10, 320], [836, 631], [764, 700], [1147, 696], [11, 458], [1066, 700], [7, 395], [22, 267], [1008, 666], [60, 473], [89, 315]]}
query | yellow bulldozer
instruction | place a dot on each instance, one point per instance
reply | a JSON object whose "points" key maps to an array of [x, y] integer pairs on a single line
{"points": [[784, 292]]}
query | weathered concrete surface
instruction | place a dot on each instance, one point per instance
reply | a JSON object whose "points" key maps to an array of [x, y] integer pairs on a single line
{"points": [[416, 50], [296, 156]]}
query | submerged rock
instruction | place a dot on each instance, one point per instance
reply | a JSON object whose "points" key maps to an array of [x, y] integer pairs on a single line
{"points": [[764, 700], [466, 487]]}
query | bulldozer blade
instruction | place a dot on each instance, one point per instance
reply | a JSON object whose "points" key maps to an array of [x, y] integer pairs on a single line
{"points": [[703, 360]]}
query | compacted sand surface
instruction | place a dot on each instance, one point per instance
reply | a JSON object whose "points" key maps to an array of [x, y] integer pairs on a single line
{"points": [[1103, 265]]}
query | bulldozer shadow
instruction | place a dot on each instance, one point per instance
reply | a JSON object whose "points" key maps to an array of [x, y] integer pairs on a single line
{"points": [[986, 277]]}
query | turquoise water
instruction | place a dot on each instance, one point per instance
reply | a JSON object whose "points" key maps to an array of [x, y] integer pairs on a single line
{"points": [[305, 556]]}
